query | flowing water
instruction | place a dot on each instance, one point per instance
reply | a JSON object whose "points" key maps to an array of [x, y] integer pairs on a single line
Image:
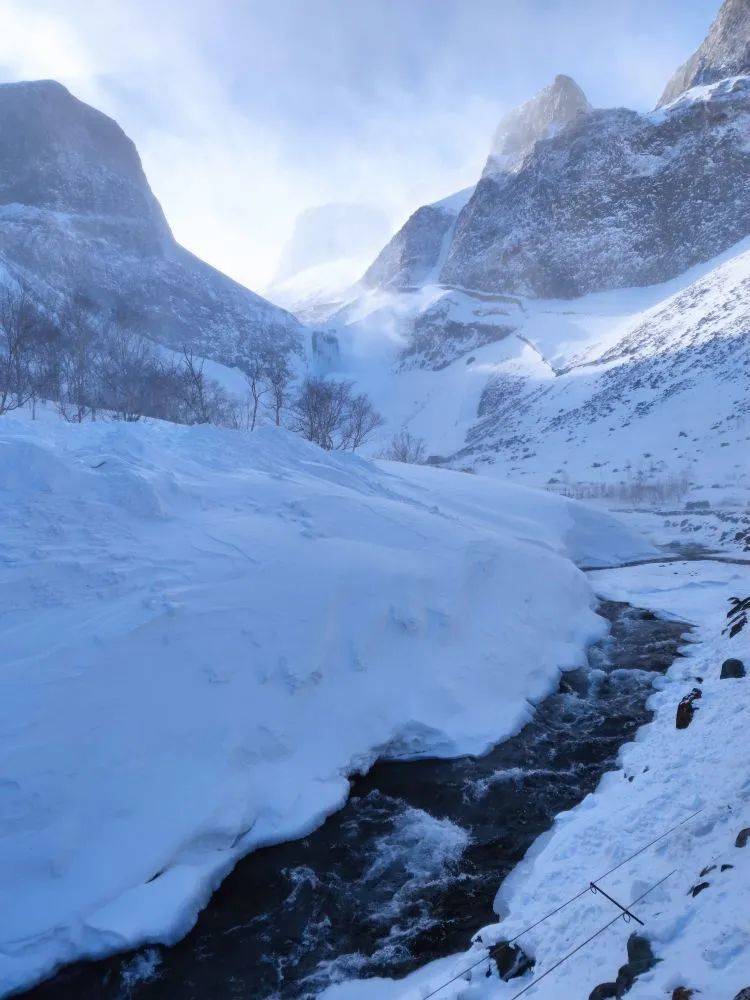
{"points": [[408, 869]]}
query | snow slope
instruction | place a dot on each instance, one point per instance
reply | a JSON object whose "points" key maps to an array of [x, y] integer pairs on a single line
{"points": [[595, 389], [702, 942], [203, 632]]}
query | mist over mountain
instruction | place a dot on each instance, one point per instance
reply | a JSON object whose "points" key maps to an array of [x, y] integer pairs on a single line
{"points": [[326, 254], [78, 221]]}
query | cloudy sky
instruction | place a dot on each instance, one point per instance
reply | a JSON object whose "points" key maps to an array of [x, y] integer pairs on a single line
{"points": [[246, 112]]}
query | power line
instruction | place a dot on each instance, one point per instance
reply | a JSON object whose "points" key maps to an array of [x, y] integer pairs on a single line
{"points": [[590, 939], [572, 899]]}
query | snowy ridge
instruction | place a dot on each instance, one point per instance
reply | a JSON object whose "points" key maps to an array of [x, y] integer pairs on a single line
{"points": [[194, 620]]}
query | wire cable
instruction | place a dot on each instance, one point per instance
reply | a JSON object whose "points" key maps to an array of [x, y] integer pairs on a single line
{"points": [[572, 899], [590, 939]]}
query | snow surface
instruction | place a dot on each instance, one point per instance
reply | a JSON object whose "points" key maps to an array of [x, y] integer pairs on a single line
{"points": [[702, 942], [204, 632]]}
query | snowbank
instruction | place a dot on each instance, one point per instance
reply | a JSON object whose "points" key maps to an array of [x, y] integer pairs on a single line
{"points": [[204, 632]]}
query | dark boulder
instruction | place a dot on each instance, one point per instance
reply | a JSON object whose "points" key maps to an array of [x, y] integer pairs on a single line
{"points": [[732, 668], [604, 991], [698, 889], [640, 955], [742, 837], [510, 959], [686, 709]]}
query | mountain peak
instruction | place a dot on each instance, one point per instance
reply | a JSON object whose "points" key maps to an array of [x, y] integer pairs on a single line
{"points": [[559, 103], [724, 52]]}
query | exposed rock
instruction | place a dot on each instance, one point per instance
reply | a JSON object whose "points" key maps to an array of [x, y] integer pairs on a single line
{"points": [[614, 199], [79, 221], [604, 991], [686, 709], [442, 333], [724, 52], [683, 993], [544, 115], [732, 668], [415, 253], [742, 837], [743, 994], [511, 960], [640, 959], [698, 889]]}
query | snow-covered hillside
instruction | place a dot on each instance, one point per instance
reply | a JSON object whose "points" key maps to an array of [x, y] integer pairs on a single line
{"points": [[597, 389], [205, 631]]}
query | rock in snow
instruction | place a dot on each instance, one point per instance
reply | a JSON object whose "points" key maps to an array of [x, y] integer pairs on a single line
{"points": [[79, 221]]}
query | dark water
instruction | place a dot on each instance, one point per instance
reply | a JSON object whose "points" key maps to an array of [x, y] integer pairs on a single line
{"points": [[408, 869]]}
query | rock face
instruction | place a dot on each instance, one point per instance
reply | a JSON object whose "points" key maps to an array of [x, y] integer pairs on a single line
{"points": [[559, 104], [724, 53], [79, 221], [614, 199], [414, 255], [574, 200]]}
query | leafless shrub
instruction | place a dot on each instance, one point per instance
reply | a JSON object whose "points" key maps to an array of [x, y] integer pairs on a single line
{"points": [[405, 447], [19, 328], [329, 413], [638, 490]]}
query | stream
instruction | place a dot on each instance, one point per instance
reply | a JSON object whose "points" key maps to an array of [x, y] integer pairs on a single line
{"points": [[408, 869]]}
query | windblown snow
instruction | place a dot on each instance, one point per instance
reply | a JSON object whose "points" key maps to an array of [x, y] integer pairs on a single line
{"points": [[204, 632]]}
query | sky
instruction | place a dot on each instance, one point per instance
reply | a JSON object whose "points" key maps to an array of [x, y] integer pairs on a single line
{"points": [[247, 112]]}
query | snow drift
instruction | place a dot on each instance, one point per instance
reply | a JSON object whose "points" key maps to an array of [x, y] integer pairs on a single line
{"points": [[204, 632]]}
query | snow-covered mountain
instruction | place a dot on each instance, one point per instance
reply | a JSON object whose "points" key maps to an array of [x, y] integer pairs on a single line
{"points": [[78, 220], [328, 251], [584, 310], [574, 200]]}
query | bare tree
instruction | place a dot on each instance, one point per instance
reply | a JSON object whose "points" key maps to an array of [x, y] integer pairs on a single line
{"points": [[278, 377], [328, 413], [405, 447], [18, 327], [195, 390], [126, 383], [77, 357], [361, 420], [256, 374]]}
